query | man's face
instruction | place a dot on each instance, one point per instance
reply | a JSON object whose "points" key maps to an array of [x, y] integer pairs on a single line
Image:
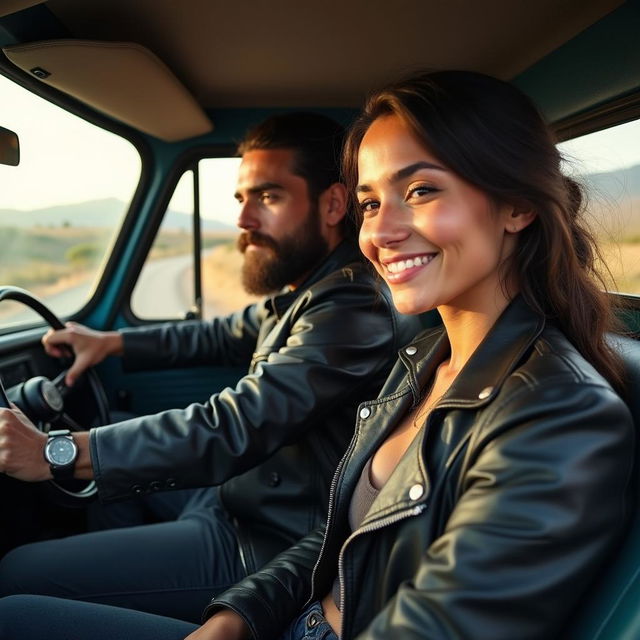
{"points": [[281, 238]]}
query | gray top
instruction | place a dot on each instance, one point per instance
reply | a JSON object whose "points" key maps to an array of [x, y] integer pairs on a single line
{"points": [[361, 500]]}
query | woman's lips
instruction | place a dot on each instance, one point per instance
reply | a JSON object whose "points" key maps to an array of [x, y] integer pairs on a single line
{"points": [[397, 271]]}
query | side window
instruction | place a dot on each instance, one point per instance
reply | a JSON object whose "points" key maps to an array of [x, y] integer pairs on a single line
{"points": [[166, 286], [607, 163], [62, 206]]}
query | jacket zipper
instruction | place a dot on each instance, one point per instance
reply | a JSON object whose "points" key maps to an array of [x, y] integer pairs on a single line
{"points": [[330, 508], [332, 491], [379, 524]]}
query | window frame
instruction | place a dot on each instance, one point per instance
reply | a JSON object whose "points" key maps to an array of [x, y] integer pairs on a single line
{"points": [[139, 143], [186, 161]]}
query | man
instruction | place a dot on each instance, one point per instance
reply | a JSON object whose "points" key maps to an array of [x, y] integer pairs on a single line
{"points": [[316, 348]]}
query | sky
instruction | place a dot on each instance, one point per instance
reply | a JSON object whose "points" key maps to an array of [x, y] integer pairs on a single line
{"points": [[81, 162], [64, 159]]}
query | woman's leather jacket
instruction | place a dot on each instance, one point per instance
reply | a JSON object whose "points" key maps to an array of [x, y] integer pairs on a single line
{"points": [[273, 441], [494, 525]]}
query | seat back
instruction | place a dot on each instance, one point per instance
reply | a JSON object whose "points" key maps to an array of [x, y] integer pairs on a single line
{"points": [[611, 610]]}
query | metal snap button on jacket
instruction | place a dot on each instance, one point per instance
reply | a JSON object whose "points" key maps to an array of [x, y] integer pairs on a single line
{"points": [[411, 351], [416, 491], [485, 393], [365, 412]]}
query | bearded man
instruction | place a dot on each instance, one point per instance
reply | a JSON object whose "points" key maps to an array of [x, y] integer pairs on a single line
{"points": [[322, 340]]}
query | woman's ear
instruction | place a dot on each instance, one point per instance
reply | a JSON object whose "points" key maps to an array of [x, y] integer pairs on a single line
{"points": [[518, 218], [333, 204]]}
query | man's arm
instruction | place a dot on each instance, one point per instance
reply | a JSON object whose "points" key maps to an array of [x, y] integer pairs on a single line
{"points": [[89, 346], [326, 353], [224, 340]]}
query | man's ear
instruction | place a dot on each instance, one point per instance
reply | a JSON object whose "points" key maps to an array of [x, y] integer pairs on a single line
{"points": [[333, 204], [519, 217]]}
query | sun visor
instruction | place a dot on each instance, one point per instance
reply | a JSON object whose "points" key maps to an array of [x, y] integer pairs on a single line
{"points": [[121, 79]]}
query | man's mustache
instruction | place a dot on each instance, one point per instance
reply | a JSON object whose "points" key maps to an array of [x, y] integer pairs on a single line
{"points": [[256, 238]]}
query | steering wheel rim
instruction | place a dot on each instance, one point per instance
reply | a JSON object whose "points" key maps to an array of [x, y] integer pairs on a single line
{"points": [[29, 300]]}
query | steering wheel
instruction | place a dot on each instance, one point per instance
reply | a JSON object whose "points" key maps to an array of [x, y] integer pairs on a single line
{"points": [[44, 401]]}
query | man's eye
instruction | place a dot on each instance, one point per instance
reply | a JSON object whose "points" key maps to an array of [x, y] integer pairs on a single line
{"points": [[268, 197]]}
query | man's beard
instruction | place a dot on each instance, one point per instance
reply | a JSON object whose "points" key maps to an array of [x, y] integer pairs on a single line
{"points": [[284, 261]]}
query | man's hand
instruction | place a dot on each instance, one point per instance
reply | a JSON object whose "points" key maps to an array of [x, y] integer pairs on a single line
{"points": [[225, 625], [22, 447], [90, 346]]}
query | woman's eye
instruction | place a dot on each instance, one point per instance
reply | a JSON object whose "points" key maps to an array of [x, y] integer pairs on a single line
{"points": [[368, 206], [420, 191]]}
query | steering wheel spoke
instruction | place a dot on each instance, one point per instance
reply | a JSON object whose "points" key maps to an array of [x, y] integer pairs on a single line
{"points": [[66, 420], [61, 385]]}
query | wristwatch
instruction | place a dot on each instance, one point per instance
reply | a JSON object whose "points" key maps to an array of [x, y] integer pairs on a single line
{"points": [[61, 452]]}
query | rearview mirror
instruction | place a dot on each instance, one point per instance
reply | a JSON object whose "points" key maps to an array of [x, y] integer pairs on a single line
{"points": [[9, 147]]}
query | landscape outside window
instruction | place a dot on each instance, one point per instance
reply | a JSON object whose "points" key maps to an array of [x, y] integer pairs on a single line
{"points": [[607, 163], [62, 206], [165, 287]]}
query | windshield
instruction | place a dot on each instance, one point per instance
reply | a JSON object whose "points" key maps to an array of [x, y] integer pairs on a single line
{"points": [[61, 207]]}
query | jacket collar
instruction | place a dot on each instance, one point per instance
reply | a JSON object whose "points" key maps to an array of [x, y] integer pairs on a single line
{"points": [[345, 253], [491, 363], [494, 360]]}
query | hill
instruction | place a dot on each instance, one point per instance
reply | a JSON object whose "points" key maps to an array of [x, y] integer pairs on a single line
{"points": [[94, 213]]}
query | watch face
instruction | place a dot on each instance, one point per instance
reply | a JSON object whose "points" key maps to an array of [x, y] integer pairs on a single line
{"points": [[61, 451]]}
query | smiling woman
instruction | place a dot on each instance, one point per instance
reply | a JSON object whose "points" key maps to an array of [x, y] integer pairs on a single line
{"points": [[468, 504]]}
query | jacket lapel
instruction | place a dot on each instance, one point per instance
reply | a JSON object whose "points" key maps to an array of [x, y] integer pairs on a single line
{"points": [[497, 356]]}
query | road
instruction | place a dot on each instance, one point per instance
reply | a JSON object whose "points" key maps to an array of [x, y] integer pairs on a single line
{"points": [[164, 290]]}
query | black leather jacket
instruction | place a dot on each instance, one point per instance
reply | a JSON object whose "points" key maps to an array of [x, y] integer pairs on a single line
{"points": [[494, 525], [275, 440]]}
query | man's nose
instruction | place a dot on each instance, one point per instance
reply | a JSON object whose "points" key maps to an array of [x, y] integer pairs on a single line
{"points": [[248, 218]]}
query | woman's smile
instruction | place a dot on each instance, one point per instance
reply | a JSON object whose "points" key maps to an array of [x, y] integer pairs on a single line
{"points": [[403, 268]]}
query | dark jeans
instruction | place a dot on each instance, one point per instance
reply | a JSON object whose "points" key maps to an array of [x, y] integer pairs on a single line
{"points": [[310, 625], [170, 568], [38, 617]]}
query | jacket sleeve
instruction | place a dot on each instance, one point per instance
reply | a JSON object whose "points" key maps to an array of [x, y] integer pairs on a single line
{"points": [[271, 598], [228, 340], [338, 341], [542, 504]]}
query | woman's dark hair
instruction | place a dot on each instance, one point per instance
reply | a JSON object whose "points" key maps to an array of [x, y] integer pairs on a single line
{"points": [[491, 135]]}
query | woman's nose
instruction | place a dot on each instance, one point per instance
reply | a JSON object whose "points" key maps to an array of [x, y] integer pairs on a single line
{"points": [[387, 227]]}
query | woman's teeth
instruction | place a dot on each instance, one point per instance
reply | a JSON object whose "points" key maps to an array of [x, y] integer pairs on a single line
{"points": [[403, 265]]}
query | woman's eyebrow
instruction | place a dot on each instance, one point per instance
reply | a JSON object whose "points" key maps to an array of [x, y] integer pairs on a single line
{"points": [[403, 173]]}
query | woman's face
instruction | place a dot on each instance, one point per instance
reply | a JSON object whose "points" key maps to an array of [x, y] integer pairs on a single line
{"points": [[436, 239]]}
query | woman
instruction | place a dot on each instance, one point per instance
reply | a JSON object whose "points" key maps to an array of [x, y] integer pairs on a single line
{"points": [[486, 485]]}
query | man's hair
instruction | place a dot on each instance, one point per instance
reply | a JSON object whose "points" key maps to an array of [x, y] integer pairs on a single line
{"points": [[316, 141]]}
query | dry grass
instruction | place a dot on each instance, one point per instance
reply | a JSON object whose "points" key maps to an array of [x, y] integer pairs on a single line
{"points": [[623, 260]]}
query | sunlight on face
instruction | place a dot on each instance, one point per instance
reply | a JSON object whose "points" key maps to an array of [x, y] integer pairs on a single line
{"points": [[436, 239]]}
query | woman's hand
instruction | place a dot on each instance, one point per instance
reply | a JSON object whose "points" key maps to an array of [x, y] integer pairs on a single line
{"points": [[225, 625]]}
